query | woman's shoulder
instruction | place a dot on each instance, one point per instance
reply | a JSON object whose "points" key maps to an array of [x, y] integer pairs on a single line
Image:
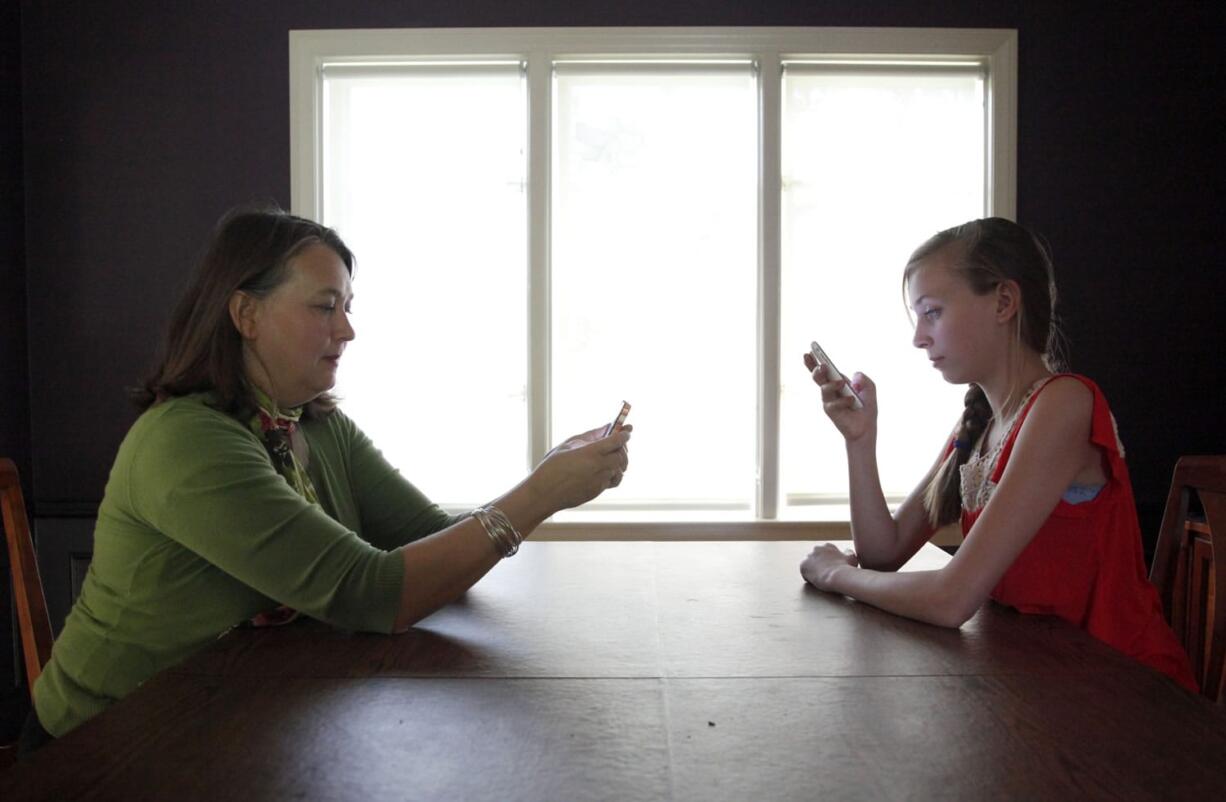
{"points": [[186, 411], [174, 442], [332, 421], [334, 435], [183, 424]]}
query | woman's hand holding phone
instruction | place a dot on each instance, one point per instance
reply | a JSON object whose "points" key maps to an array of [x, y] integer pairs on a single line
{"points": [[582, 467]]}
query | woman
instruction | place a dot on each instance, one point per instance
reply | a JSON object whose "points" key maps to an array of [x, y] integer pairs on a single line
{"points": [[242, 492], [1034, 472]]}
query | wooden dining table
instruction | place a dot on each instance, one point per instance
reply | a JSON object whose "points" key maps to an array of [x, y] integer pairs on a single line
{"points": [[649, 671]]}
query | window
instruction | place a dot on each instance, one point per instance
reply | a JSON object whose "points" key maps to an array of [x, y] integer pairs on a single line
{"points": [[548, 221]]}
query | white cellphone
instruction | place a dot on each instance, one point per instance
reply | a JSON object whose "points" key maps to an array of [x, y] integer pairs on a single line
{"points": [[847, 390]]}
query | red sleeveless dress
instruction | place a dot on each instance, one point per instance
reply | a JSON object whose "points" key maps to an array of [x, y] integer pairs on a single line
{"points": [[1086, 565]]}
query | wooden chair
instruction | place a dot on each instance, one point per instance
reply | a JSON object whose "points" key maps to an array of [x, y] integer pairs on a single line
{"points": [[1190, 567], [32, 618]]}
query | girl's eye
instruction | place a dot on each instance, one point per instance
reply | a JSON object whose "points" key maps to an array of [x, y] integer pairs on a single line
{"points": [[932, 313], [329, 308]]}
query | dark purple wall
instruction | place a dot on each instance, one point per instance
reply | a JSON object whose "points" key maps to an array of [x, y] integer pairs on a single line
{"points": [[144, 120], [1120, 144], [14, 369]]}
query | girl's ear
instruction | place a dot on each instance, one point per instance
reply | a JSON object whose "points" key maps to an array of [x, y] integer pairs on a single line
{"points": [[243, 309], [1008, 300]]}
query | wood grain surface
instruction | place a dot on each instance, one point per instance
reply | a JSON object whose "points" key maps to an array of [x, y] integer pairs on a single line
{"points": [[625, 671]]}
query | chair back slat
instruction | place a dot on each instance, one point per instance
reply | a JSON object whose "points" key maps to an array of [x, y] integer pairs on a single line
{"points": [[1214, 505], [32, 617], [1189, 567]]}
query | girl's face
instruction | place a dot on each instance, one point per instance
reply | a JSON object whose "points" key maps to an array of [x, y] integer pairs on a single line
{"points": [[960, 331], [299, 331]]}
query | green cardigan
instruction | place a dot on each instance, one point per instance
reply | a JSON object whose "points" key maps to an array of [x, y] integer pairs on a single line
{"points": [[197, 533]]}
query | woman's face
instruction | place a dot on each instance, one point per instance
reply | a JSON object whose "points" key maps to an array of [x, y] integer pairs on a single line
{"points": [[958, 329], [298, 332]]}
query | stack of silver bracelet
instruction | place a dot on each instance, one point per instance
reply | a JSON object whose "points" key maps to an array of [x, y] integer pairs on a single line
{"points": [[502, 532]]}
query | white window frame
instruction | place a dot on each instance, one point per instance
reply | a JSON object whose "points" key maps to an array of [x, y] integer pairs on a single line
{"points": [[995, 50]]}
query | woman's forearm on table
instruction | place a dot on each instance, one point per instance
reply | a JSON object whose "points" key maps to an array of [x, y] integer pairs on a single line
{"points": [[438, 569]]}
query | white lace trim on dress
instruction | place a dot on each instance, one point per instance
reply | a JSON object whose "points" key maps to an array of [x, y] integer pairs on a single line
{"points": [[975, 477]]}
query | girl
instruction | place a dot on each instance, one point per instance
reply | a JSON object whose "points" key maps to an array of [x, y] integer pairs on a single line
{"points": [[1034, 471]]}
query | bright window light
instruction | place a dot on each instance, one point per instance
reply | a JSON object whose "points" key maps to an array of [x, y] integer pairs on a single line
{"points": [[875, 160], [423, 176], [654, 274]]}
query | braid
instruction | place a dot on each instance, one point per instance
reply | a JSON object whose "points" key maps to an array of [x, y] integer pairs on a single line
{"points": [[943, 498]]}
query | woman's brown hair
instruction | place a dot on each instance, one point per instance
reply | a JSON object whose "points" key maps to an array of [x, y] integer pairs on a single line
{"points": [[250, 250], [988, 252]]}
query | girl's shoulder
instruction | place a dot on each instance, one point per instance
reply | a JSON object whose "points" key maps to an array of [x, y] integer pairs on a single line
{"points": [[1063, 402], [1060, 411], [1078, 396], [1065, 394], [1061, 396]]}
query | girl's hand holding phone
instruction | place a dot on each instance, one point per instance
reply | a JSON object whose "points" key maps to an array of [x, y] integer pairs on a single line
{"points": [[844, 389], [853, 411]]}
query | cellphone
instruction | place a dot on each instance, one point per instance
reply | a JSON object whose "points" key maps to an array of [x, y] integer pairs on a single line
{"points": [[619, 420], [847, 390]]}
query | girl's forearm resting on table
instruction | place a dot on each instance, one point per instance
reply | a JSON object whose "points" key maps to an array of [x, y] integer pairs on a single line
{"points": [[927, 596]]}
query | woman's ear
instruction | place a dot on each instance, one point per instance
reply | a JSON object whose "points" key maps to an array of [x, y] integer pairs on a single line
{"points": [[1008, 300], [243, 309]]}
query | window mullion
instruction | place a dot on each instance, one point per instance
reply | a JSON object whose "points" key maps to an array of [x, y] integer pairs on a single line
{"points": [[1001, 122], [539, 132], [769, 302]]}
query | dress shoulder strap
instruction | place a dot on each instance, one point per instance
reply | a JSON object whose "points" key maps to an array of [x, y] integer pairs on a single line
{"points": [[1103, 431]]}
